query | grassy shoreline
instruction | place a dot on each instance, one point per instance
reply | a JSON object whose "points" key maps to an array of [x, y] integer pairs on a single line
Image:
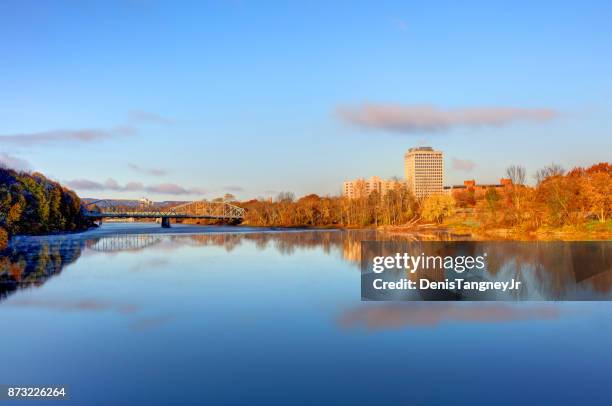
{"points": [[590, 231]]}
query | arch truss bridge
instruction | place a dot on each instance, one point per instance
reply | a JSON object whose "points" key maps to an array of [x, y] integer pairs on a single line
{"points": [[200, 209]]}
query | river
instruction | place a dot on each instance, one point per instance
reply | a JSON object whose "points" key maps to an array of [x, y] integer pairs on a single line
{"points": [[133, 313]]}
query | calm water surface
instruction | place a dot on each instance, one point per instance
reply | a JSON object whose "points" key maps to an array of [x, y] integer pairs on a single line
{"points": [[132, 313]]}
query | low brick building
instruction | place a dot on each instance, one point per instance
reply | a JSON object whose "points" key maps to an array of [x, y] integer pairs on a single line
{"points": [[471, 185]]}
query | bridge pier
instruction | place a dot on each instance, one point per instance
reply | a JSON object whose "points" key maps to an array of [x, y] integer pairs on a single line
{"points": [[165, 222]]}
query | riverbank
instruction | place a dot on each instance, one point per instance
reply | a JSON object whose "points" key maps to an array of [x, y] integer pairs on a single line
{"points": [[593, 231], [472, 230], [5, 238], [151, 228], [456, 231]]}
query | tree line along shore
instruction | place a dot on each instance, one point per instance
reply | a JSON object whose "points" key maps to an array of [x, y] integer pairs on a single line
{"points": [[33, 204], [561, 203]]}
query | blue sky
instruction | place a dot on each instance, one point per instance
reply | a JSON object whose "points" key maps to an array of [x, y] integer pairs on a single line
{"points": [[184, 100]]}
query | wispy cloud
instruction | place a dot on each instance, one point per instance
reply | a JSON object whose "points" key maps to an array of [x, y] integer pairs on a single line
{"points": [[113, 185], [424, 118], [233, 188], [148, 171], [174, 189], [135, 117], [463, 164], [83, 135], [12, 162], [84, 184], [148, 117]]}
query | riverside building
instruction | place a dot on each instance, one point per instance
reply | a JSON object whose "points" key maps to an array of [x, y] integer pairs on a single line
{"points": [[357, 188], [472, 186], [424, 169]]}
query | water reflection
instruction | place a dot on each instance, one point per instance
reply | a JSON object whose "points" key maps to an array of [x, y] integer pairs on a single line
{"points": [[547, 271], [145, 308], [123, 242], [28, 264], [552, 270], [68, 305], [31, 261], [399, 315]]}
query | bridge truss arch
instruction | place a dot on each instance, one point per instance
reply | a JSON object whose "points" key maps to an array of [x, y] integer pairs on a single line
{"points": [[200, 209]]}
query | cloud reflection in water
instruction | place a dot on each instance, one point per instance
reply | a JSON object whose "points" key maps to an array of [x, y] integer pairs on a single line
{"points": [[373, 316]]}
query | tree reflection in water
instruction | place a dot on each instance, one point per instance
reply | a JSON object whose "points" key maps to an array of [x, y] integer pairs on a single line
{"points": [[30, 262]]}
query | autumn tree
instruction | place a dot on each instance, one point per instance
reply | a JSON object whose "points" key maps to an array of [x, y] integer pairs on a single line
{"points": [[492, 198], [33, 204], [464, 197], [548, 171], [597, 186], [3, 238], [437, 208], [285, 197], [517, 192], [517, 174]]}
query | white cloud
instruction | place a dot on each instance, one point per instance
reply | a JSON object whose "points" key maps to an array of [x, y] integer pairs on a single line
{"points": [[83, 135]]}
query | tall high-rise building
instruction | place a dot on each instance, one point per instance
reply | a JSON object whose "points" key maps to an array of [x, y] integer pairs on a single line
{"points": [[424, 170]]}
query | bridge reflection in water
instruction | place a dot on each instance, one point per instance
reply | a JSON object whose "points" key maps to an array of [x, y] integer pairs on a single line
{"points": [[30, 261], [126, 242]]}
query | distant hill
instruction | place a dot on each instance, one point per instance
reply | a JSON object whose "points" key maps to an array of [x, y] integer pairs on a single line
{"points": [[102, 203]]}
